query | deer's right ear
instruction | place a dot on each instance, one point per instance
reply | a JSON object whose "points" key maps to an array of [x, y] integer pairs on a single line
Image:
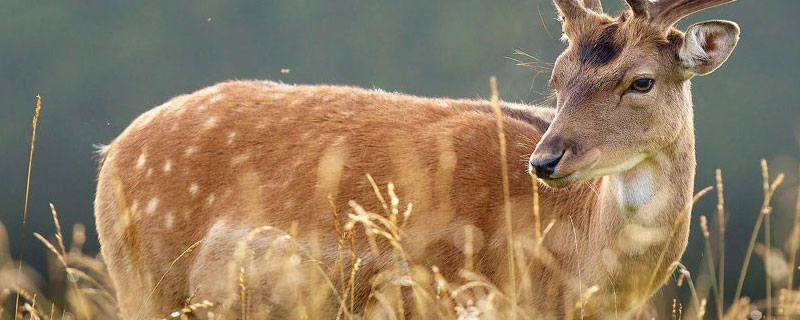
{"points": [[707, 45]]}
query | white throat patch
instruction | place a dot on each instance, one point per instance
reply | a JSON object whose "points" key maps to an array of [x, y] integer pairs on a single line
{"points": [[634, 188]]}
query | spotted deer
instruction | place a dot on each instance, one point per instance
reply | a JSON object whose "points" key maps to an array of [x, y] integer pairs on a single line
{"points": [[615, 162]]}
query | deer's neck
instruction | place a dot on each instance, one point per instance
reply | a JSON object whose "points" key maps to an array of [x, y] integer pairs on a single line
{"points": [[639, 207]]}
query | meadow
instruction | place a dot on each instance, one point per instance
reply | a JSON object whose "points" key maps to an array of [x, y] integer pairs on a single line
{"points": [[77, 285]]}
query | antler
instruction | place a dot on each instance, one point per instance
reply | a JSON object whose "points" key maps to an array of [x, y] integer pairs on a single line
{"points": [[570, 9], [667, 12], [640, 8], [593, 5], [573, 9]]}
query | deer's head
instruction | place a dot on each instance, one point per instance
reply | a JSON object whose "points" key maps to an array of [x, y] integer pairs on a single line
{"points": [[623, 84]]}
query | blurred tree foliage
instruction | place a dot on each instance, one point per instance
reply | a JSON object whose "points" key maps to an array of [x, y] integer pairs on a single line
{"points": [[99, 63]]}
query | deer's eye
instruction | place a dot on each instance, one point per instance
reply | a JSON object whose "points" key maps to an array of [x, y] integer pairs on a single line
{"points": [[642, 85]]}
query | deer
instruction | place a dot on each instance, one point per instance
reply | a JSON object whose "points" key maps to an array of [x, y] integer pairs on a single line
{"points": [[612, 165]]}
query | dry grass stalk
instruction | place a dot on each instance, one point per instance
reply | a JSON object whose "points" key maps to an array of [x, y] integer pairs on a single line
{"points": [[580, 277], [674, 229], [767, 261], [34, 123], [769, 190], [721, 234], [74, 275], [537, 218], [468, 248], [30, 157], [740, 309], [435, 297], [378, 193], [243, 293], [700, 306], [793, 246], [710, 264], [339, 263], [354, 264], [88, 294], [675, 309], [506, 189], [189, 249]]}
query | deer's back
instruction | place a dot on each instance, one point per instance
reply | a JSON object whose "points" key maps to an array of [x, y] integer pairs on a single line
{"points": [[260, 153]]}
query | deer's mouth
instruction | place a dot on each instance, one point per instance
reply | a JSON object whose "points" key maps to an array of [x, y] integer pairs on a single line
{"points": [[573, 168], [562, 181], [591, 171], [621, 167]]}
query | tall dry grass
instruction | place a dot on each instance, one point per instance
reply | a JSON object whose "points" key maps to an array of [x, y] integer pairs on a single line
{"points": [[301, 286]]}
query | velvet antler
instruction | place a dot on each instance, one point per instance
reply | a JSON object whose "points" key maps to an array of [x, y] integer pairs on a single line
{"points": [[593, 5], [665, 13]]}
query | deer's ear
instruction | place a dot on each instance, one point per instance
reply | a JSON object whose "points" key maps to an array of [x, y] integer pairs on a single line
{"points": [[707, 45]]}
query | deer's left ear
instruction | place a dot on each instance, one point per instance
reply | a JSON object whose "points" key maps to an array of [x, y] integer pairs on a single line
{"points": [[707, 45]]}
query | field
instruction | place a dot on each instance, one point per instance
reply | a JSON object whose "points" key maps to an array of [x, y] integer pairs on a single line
{"points": [[77, 285]]}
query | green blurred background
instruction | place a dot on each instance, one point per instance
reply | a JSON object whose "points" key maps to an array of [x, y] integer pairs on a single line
{"points": [[98, 64]]}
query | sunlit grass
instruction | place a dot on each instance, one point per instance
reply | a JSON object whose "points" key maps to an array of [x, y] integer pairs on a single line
{"points": [[326, 291], [304, 287]]}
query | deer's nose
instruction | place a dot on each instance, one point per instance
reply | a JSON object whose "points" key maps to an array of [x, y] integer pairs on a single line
{"points": [[545, 167]]}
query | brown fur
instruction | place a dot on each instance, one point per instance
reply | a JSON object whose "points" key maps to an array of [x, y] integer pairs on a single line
{"points": [[209, 166]]}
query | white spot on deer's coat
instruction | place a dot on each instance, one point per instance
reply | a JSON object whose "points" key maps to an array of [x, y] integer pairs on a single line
{"points": [[213, 274], [636, 239], [134, 207], [231, 135], [167, 166], [637, 192], [210, 122], [634, 187], [468, 313], [179, 111], [216, 98], [141, 161], [147, 117], [151, 205], [237, 160], [209, 90], [288, 204], [329, 170], [190, 150], [460, 238], [609, 259], [149, 172], [210, 199], [169, 220], [193, 189]]}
